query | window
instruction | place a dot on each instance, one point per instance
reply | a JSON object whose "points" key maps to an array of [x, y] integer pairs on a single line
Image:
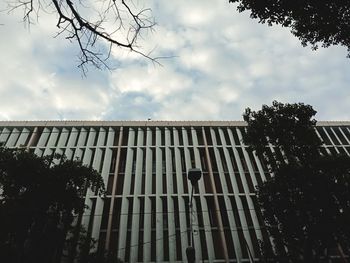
{"points": [[217, 136], [199, 136], [208, 136], [105, 215]]}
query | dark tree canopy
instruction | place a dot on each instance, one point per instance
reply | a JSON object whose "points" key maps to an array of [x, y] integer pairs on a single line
{"points": [[39, 199], [289, 127], [306, 209], [95, 26], [314, 22], [306, 203]]}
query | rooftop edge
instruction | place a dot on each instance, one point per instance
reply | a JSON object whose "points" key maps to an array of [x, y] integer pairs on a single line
{"points": [[144, 123]]}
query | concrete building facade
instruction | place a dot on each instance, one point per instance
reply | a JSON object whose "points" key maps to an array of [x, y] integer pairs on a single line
{"points": [[144, 216]]}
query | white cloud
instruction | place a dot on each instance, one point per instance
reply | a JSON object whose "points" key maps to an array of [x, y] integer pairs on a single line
{"points": [[153, 81]]}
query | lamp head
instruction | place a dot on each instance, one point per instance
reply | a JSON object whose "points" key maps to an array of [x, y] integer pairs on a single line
{"points": [[194, 174], [191, 254]]}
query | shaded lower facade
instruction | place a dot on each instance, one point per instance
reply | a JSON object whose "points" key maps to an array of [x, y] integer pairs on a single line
{"points": [[145, 215]]}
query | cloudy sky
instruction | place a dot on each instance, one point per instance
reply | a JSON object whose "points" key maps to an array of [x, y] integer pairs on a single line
{"points": [[219, 62]]}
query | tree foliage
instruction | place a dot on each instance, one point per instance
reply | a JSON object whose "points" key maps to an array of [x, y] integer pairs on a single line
{"points": [[314, 22], [40, 197], [306, 204], [95, 26], [288, 127], [307, 208]]}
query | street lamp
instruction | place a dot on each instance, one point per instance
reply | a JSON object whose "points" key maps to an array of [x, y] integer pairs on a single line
{"points": [[193, 175]]}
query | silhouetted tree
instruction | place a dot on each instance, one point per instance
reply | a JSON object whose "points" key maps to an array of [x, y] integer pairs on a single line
{"points": [[85, 245], [96, 26], [39, 199], [314, 22], [290, 128], [306, 203]]}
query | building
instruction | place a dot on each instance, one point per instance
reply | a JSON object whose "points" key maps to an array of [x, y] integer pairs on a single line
{"points": [[145, 214]]}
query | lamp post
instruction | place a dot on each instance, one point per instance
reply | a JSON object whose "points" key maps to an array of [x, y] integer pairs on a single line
{"points": [[193, 175]]}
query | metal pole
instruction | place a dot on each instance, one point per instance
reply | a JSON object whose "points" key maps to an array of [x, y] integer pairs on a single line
{"points": [[193, 175], [190, 251], [191, 223]]}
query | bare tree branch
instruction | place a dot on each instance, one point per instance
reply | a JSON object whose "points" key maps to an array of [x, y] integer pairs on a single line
{"points": [[114, 23]]}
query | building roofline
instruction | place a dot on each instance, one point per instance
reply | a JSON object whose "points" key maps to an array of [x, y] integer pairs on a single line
{"points": [[144, 123]]}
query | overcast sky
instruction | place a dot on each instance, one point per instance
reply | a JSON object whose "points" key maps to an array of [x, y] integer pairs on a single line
{"points": [[221, 62]]}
